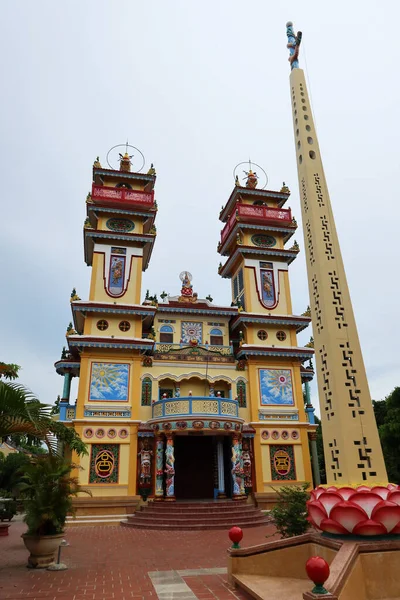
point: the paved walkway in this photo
(107, 563)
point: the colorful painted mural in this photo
(170, 468)
(104, 463)
(282, 463)
(267, 287)
(117, 271)
(276, 387)
(109, 381)
(159, 467)
(191, 331)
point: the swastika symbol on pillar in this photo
(337, 300)
(327, 238)
(335, 464)
(326, 383)
(310, 243)
(318, 189)
(351, 382)
(317, 307)
(304, 194)
(364, 456)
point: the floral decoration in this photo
(361, 510)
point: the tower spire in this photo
(353, 453)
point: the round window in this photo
(124, 326)
(102, 324)
(281, 335)
(262, 334)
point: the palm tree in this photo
(21, 413)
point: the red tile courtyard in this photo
(119, 563)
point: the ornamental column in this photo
(237, 468)
(64, 402)
(221, 471)
(170, 469)
(159, 495)
(67, 387)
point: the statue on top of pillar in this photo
(125, 162)
(251, 179)
(187, 294)
(293, 44)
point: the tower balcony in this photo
(122, 197)
(263, 215)
(196, 413)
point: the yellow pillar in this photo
(353, 453)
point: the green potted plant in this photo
(48, 488)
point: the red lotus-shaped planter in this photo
(358, 511)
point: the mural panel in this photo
(191, 331)
(276, 387)
(267, 287)
(104, 463)
(109, 381)
(117, 271)
(282, 463)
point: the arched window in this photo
(166, 334)
(241, 394)
(216, 337)
(260, 203)
(146, 391)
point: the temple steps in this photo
(196, 515)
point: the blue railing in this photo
(185, 406)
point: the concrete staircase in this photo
(196, 515)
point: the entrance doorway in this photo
(194, 467)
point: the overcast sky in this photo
(198, 87)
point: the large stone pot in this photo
(42, 549)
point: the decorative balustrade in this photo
(164, 348)
(122, 195)
(198, 406)
(260, 214)
(67, 412)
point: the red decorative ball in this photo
(235, 534)
(317, 570)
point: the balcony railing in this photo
(260, 214)
(164, 348)
(196, 406)
(122, 196)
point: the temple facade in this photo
(179, 398)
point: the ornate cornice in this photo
(289, 231)
(290, 352)
(299, 322)
(243, 250)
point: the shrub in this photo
(48, 489)
(289, 514)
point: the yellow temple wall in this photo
(251, 337)
(253, 303)
(247, 235)
(97, 285)
(134, 389)
(90, 326)
(101, 223)
(177, 335)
